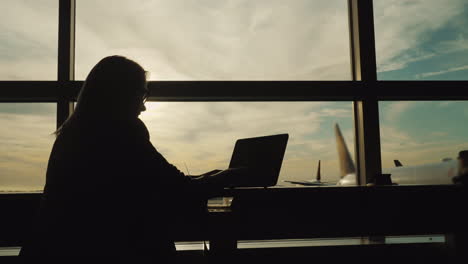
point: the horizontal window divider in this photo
(29, 91)
(29, 84)
(307, 90)
(253, 91)
(50, 91)
(247, 90)
(420, 90)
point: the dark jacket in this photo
(108, 192)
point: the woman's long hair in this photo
(113, 90)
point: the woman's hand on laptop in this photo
(211, 173)
(233, 176)
(212, 183)
(225, 178)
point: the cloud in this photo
(401, 26)
(336, 112)
(190, 39)
(28, 40)
(438, 134)
(452, 69)
(446, 103)
(223, 40)
(403, 60)
(26, 142)
(458, 44)
(185, 40)
(393, 110)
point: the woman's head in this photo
(116, 86)
(114, 89)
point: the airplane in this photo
(434, 173)
(398, 163)
(317, 182)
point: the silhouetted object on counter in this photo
(461, 237)
(462, 177)
(108, 191)
(383, 179)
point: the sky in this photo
(240, 40)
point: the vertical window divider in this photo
(66, 58)
(366, 111)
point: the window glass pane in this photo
(28, 39)
(425, 137)
(421, 39)
(218, 40)
(202, 134)
(25, 142)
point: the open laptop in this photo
(261, 155)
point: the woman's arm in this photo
(213, 184)
(206, 185)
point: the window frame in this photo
(364, 89)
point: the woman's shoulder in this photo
(99, 129)
(133, 127)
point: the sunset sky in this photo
(240, 40)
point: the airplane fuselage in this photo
(437, 173)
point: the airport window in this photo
(208, 134)
(26, 141)
(421, 40)
(421, 140)
(221, 40)
(266, 54)
(28, 40)
(251, 68)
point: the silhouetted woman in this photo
(108, 191)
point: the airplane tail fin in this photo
(397, 163)
(346, 162)
(318, 172)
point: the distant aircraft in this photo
(317, 181)
(435, 173)
(397, 163)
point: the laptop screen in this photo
(263, 156)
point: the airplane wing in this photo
(310, 183)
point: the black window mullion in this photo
(366, 111)
(252, 90)
(66, 57)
